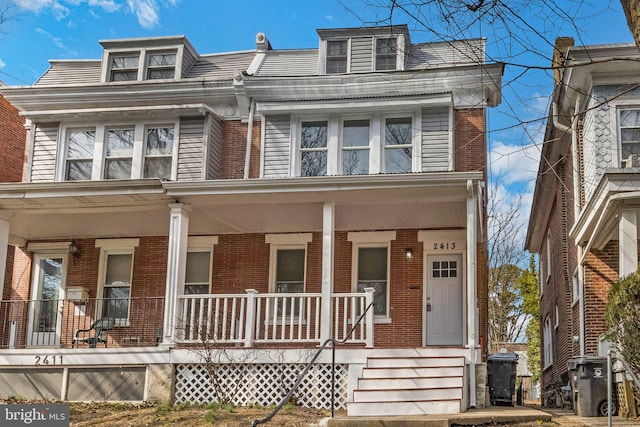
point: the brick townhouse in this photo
(255, 203)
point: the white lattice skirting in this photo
(262, 384)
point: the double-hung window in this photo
(355, 147)
(547, 342)
(161, 66)
(116, 273)
(630, 132)
(337, 55)
(398, 145)
(386, 54)
(79, 158)
(124, 67)
(198, 272)
(158, 152)
(313, 148)
(118, 158)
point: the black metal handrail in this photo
(306, 369)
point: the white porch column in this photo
(472, 205)
(176, 266)
(4, 243)
(628, 241)
(328, 243)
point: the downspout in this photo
(576, 209)
(471, 290)
(247, 155)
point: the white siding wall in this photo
(191, 149)
(361, 54)
(276, 146)
(72, 72)
(43, 164)
(435, 139)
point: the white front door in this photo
(444, 308)
(45, 306)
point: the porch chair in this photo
(97, 332)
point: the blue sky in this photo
(70, 29)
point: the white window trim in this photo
(100, 146)
(335, 126)
(616, 140)
(323, 55)
(548, 343)
(575, 286)
(548, 264)
(114, 247)
(374, 55)
(203, 244)
(372, 239)
(557, 316)
(143, 56)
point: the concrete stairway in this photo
(409, 386)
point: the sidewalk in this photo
(494, 415)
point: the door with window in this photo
(444, 304)
(47, 295)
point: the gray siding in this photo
(361, 54)
(71, 72)
(43, 163)
(191, 149)
(435, 139)
(214, 149)
(290, 63)
(110, 384)
(32, 384)
(276, 146)
(187, 61)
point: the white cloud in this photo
(514, 164)
(2, 63)
(34, 5)
(328, 17)
(56, 40)
(146, 11)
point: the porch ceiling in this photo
(113, 209)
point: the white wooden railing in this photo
(270, 318)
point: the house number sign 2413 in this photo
(443, 246)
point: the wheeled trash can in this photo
(502, 378)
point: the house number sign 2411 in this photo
(48, 360)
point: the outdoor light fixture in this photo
(74, 249)
(408, 254)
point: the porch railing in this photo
(269, 318)
(54, 322)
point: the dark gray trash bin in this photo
(502, 378)
(588, 378)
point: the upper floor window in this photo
(119, 153)
(161, 66)
(547, 338)
(313, 148)
(158, 152)
(79, 156)
(124, 68)
(337, 55)
(355, 147)
(127, 66)
(386, 54)
(398, 145)
(630, 132)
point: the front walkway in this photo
(567, 418)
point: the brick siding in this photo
(234, 147)
(12, 142)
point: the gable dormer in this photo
(363, 50)
(141, 59)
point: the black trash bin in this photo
(502, 378)
(588, 378)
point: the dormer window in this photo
(124, 68)
(156, 65)
(386, 53)
(337, 53)
(161, 66)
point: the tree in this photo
(631, 10)
(530, 289)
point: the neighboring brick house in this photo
(257, 202)
(585, 209)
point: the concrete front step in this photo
(425, 372)
(400, 395)
(409, 383)
(414, 362)
(382, 408)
